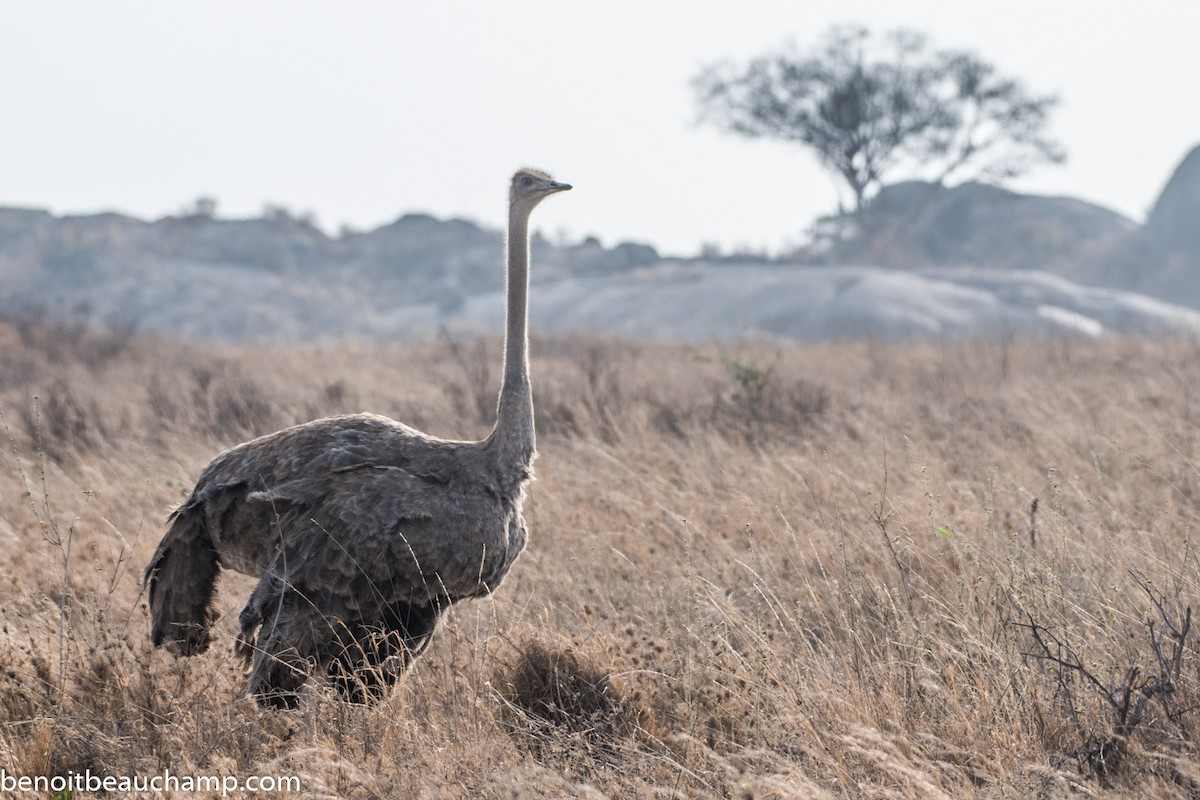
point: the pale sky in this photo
(361, 111)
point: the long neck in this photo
(514, 421)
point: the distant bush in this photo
(63, 425)
(72, 337)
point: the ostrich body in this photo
(361, 530)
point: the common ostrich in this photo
(361, 530)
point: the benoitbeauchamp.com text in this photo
(166, 782)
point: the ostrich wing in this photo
(363, 536)
(298, 467)
(313, 450)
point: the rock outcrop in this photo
(917, 224)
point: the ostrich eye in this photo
(526, 181)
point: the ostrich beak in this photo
(555, 186)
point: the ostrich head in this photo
(529, 186)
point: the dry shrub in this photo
(216, 397)
(18, 687)
(70, 337)
(474, 397)
(612, 394)
(757, 403)
(61, 424)
(230, 402)
(563, 706)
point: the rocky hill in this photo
(697, 300)
(271, 279)
(943, 261)
(917, 225)
(1162, 258)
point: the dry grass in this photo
(849, 570)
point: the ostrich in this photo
(361, 530)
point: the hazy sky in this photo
(361, 111)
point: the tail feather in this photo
(181, 580)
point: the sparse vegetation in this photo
(930, 571)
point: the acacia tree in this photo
(867, 109)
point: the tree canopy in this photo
(868, 108)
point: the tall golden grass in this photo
(840, 570)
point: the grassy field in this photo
(842, 570)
